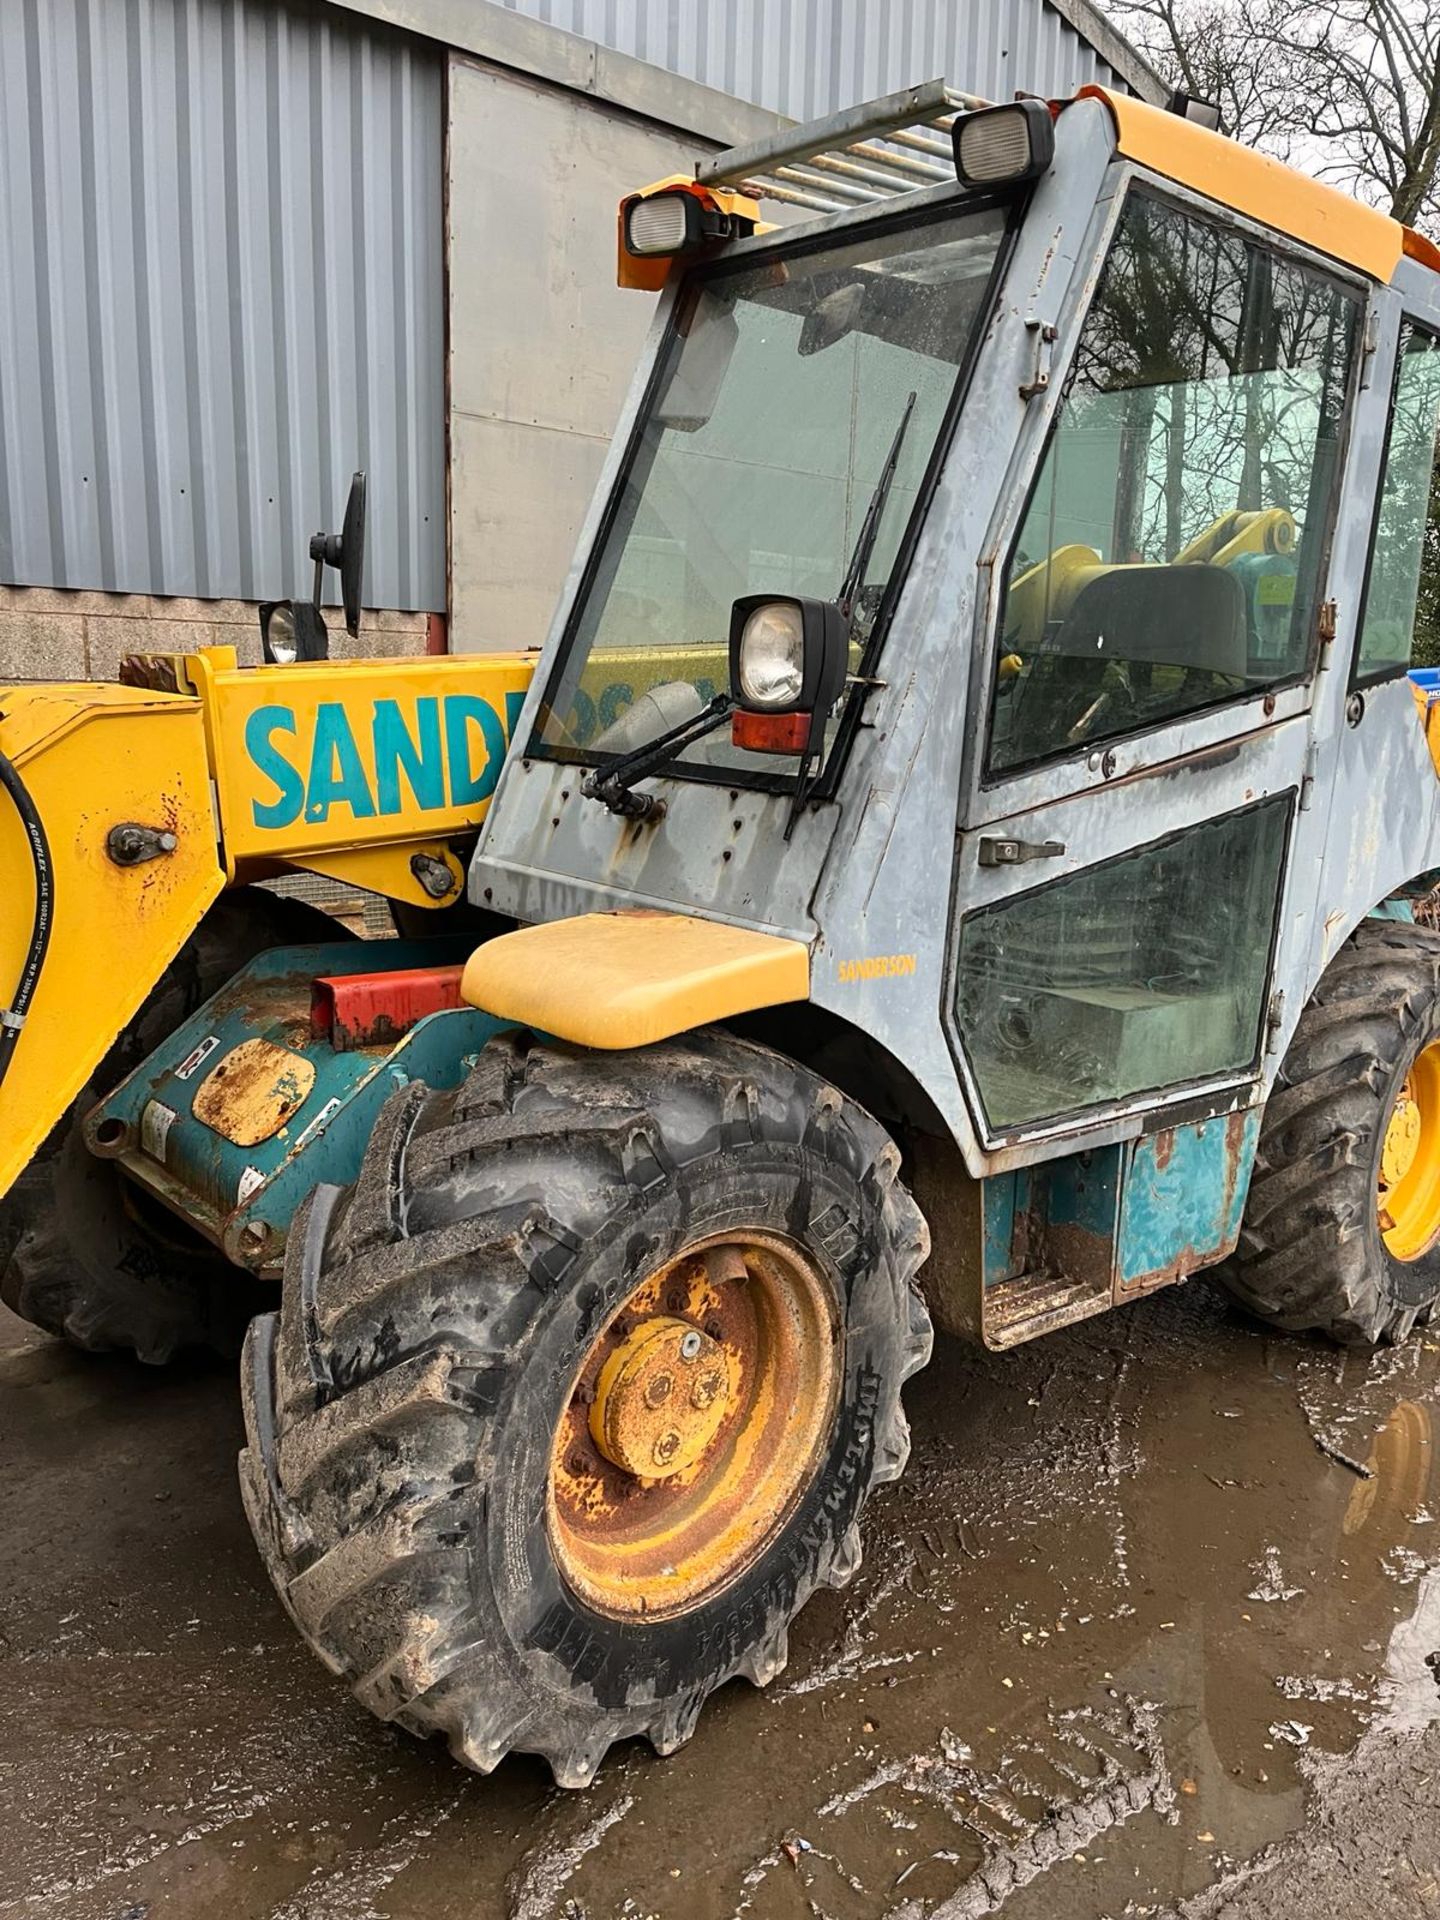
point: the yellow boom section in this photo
(378, 772)
(93, 759)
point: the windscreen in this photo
(782, 393)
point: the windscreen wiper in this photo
(874, 514)
(613, 784)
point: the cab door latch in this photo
(1010, 853)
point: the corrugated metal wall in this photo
(221, 288)
(808, 57)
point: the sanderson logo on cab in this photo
(877, 968)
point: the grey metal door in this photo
(1145, 765)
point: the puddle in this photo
(1140, 1579)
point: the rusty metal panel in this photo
(221, 290)
(1185, 1191)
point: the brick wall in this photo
(49, 634)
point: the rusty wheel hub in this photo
(661, 1398)
(698, 1417)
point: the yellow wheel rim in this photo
(698, 1418)
(1409, 1196)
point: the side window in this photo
(1170, 555)
(1402, 600)
(1142, 973)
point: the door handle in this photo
(1010, 853)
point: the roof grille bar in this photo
(852, 169)
(907, 137)
(904, 163)
(821, 183)
(793, 196)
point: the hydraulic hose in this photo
(12, 1018)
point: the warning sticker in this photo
(249, 1180)
(198, 1057)
(155, 1124)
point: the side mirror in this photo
(345, 551)
(292, 630)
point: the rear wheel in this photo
(86, 1255)
(577, 1394)
(1342, 1223)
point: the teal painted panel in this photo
(999, 1198)
(220, 1185)
(1083, 1190)
(1184, 1196)
(1079, 1191)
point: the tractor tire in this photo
(427, 1416)
(1317, 1247)
(86, 1256)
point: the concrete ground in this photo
(1134, 1637)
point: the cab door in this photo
(1138, 796)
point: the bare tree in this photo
(1346, 89)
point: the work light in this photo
(1189, 106)
(788, 658)
(770, 662)
(292, 630)
(998, 146)
(665, 223)
(277, 635)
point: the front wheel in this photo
(1342, 1222)
(576, 1396)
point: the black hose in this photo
(12, 1018)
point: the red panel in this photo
(770, 732)
(353, 1010)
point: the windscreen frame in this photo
(916, 213)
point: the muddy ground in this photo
(1133, 1637)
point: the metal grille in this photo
(221, 289)
(872, 152)
(365, 914)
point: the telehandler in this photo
(974, 777)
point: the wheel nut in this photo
(666, 1448)
(690, 1344)
(659, 1390)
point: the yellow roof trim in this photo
(1253, 184)
(613, 980)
